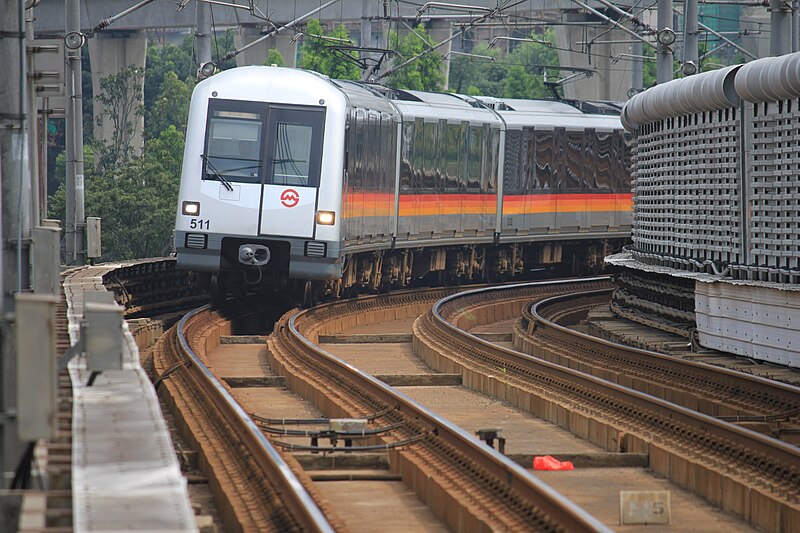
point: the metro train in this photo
(342, 185)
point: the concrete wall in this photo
(258, 53)
(612, 80)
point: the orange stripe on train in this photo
(379, 204)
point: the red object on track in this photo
(548, 462)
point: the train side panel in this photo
(448, 172)
(565, 176)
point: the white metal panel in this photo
(288, 211)
(36, 372)
(758, 322)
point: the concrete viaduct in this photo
(124, 42)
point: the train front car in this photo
(260, 193)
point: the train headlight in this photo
(326, 218)
(191, 208)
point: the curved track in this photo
(754, 476)
(468, 485)
(716, 391)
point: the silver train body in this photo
(289, 172)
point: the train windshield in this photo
(292, 154)
(295, 145)
(234, 147)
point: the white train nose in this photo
(254, 254)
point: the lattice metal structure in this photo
(716, 172)
(774, 190)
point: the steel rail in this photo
(299, 503)
(550, 503)
(781, 394)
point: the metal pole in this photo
(33, 128)
(614, 23)
(69, 147)
(76, 249)
(637, 73)
(796, 26)
(780, 29)
(15, 221)
(664, 52)
(80, 215)
(690, 36)
(203, 32)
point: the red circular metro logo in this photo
(290, 198)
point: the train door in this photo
(294, 156)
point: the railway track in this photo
(762, 404)
(466, 484)
(753, 476)
(255, 488)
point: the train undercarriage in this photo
(372, 272)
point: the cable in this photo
(257, 281)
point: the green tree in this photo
(136, 200)
(274, 57)
(519, 84)
(482, 75)
(121, 99)
(425, 72)
(162, 60)
(517, 75)
(463, 71)
(531, 56)
(320, 56)
(181, 61)
(171, 108)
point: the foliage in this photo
(424, 73)
(517, 75)
(87, 90)
(136, 201)
(168, 60)
(171, 108)
(483, 75)
(318, 55)
(274, 57)
(162, 60)
(121, 99)
(519, 84)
